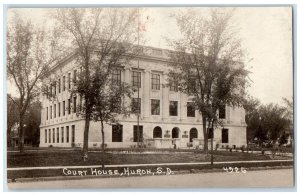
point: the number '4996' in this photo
(234, 170)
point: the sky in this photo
(266, 34)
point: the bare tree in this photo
(208, 64)
(101, 38)
(28, 59)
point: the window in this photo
(136, 79)
(137, 133)
(117, 133)
(75, 76)
(57, 133)
(116, 76)
(62, 135)
(49, 135)
(155, 81)
(50, 112)
(50, 90)
(64, 83)
(53, 130)
(157, 132)
(210, 133)
(190, 109)
(74, 104)
(173, 87)
(45, 135)
(222, 112)
(80, 103)
(116, 105)
(191, 85)
(47, 112)
(175, 132)
(59, 109)
(68, 134)
(224, 135)
(155, 110)
(54, 107)
(69, 80)
(59, 85)
(73, 133)
(69, 106)
(47, 92)
(64, 108)
(136, 105)
(54, 86)
(173, 108)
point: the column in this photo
(227, 113)
(182, 106)
(165, 97)
(127, 80)
(43, 117)
(146, 94)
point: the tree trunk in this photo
(205, 147)
(9, 143)
(211, 144)
(103, 147)
(87, 109)
(86, 138)
(21, 135)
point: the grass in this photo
(56, 157)
(191, 168)
(73, 157)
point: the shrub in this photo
(189, 144)
(243, 148)
(105, 145)
(217, 146)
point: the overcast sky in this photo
(266, 35)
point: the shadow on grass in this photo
(57, 157)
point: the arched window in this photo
(175, 132)
(193, 134)
(157, 132)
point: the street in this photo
(282, 178)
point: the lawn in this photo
(56, 157)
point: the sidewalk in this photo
(185, 168)
(144, 165)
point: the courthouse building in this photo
(167, 116)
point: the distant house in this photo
(167, 116)
(14, 139)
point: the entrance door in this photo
(175, 132)
(193, 134)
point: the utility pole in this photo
(139, 82)
(211, 144)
